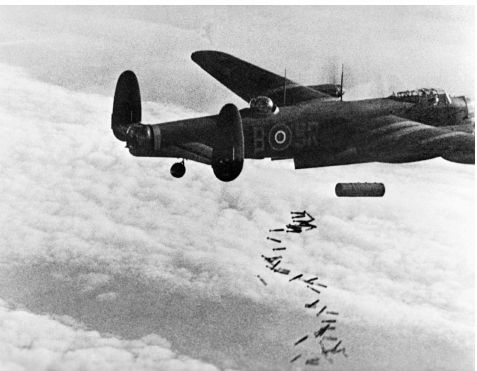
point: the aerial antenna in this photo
(341, 87)
(285, 88)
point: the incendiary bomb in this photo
(360, 189)
(301, 221)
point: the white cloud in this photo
(107, 296)
(92, 281)
(113, 242)
(38, 342)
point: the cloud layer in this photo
(114, 260)
(115, 243)
(38, 342)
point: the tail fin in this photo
(127, 104)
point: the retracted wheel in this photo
(178, 170)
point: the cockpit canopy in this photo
(433, 96)
(263, 105)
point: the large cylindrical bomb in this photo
(359, 189)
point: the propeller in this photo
(334, 76)
(332, 69)
(341, 84)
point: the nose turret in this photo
(470, 107)
(465, 106)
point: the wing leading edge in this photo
(249, 81)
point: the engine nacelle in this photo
(228, 149)
(333, 90)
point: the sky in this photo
(107, 262)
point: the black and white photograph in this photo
(237, 187)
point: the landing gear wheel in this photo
(178, 169)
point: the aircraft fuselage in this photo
(309, 129)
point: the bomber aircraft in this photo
(311, 125)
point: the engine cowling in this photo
(228, 146)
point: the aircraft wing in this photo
(392, 139)
(249, 81)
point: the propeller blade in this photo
(341, 86)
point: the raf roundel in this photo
(279, 137)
